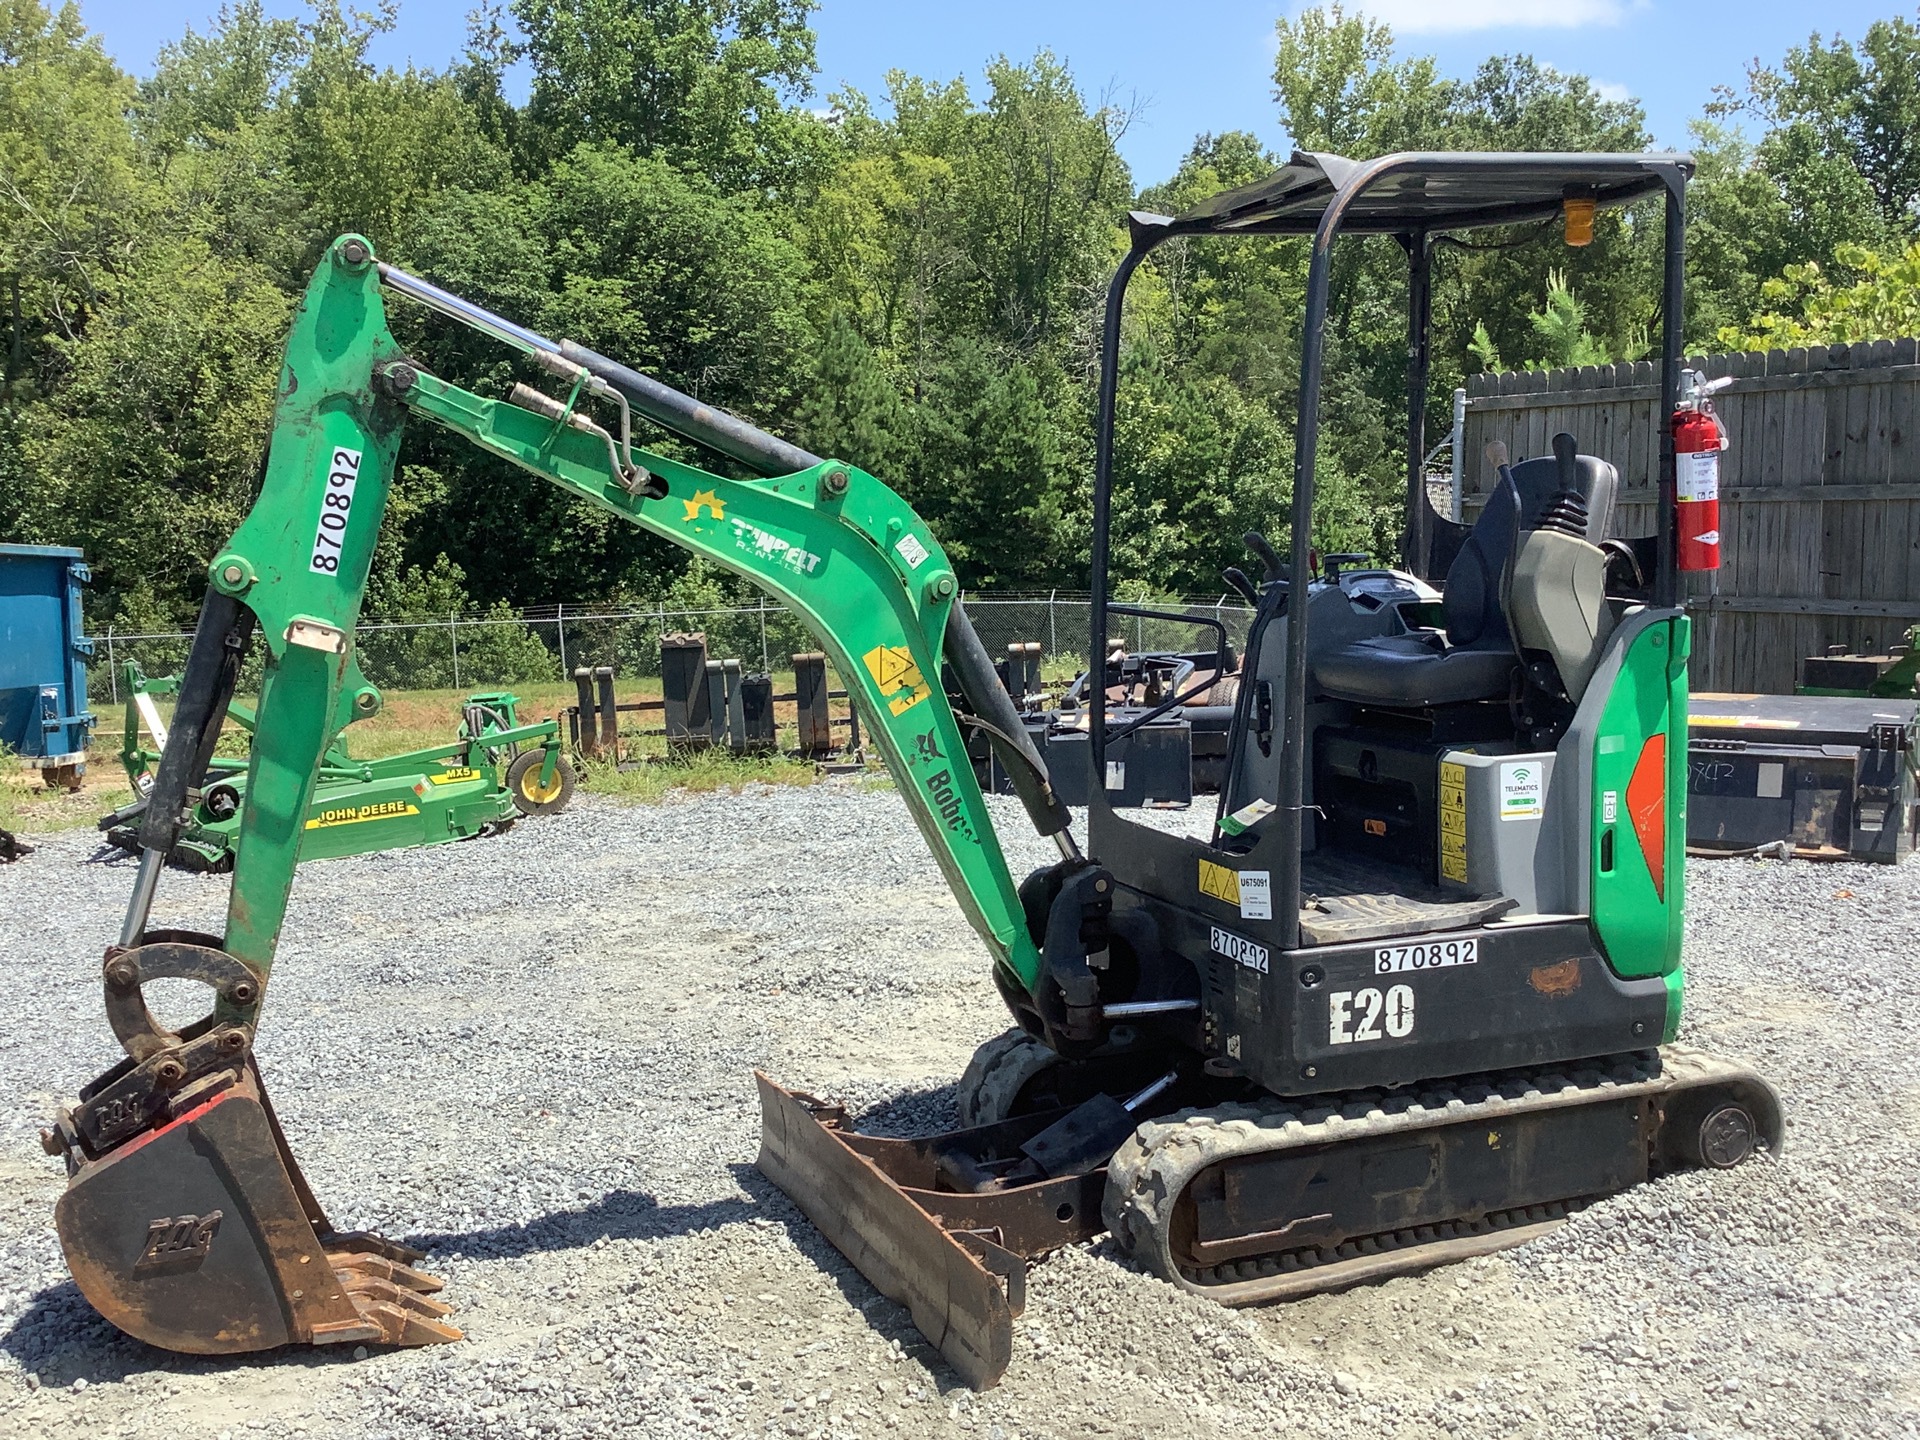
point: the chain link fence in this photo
(545, 643)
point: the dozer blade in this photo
(955, 1258)
(200, 1235)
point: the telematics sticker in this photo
(335, 506)
(1522, 791)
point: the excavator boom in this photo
(186, 1220)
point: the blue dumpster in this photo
(43, 660)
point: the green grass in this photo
(700, 772)
(28, 808)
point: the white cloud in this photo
(1612, 90)
(1433, 17)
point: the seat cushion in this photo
(1414, 671)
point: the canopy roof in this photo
(1432, 191)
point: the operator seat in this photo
(1474, 656)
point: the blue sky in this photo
(1198, 66)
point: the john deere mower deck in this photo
(492, 773)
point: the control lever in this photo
(1269, 558)
(1241, 585)
(1566, 451)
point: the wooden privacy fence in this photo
(1819, 491)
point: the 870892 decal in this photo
(336, 507)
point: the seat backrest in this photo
(1538, 481)
(1471, 596)
(1557, 604)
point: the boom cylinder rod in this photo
(731, 436)
(473, 316)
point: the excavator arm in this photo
(242, 1257)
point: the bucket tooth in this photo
(401, 1316)
(378, 1267)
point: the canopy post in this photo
(1148, 231)
(1417, 542)
(1666, 588)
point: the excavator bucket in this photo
(199, 1234)
(928, 1221)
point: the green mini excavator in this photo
(1413, 997)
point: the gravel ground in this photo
(530, 1057)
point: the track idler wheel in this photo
(186, 1221)
(1715, 1131)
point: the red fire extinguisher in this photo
(1698, 439)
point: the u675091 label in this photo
(336, 505)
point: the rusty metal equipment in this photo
(715, 704)
(909, 1211)
(198, 1157)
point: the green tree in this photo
(1560, 334)
(145, 454)
(369, 147)
(1806, 306)
(990, 470)
(709, 85)
(851, 410)
(72, 201)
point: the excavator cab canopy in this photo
(1419, 198)
(1433, 192)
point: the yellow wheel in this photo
(530, 797)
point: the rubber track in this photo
(996, 1074)
(1153, 1168)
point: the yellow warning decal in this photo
(1453, 821)
(358, 814)
(1220, 882)
(708, 501)
(454, 777)
(894, 669)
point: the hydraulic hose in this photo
(1019, 757)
